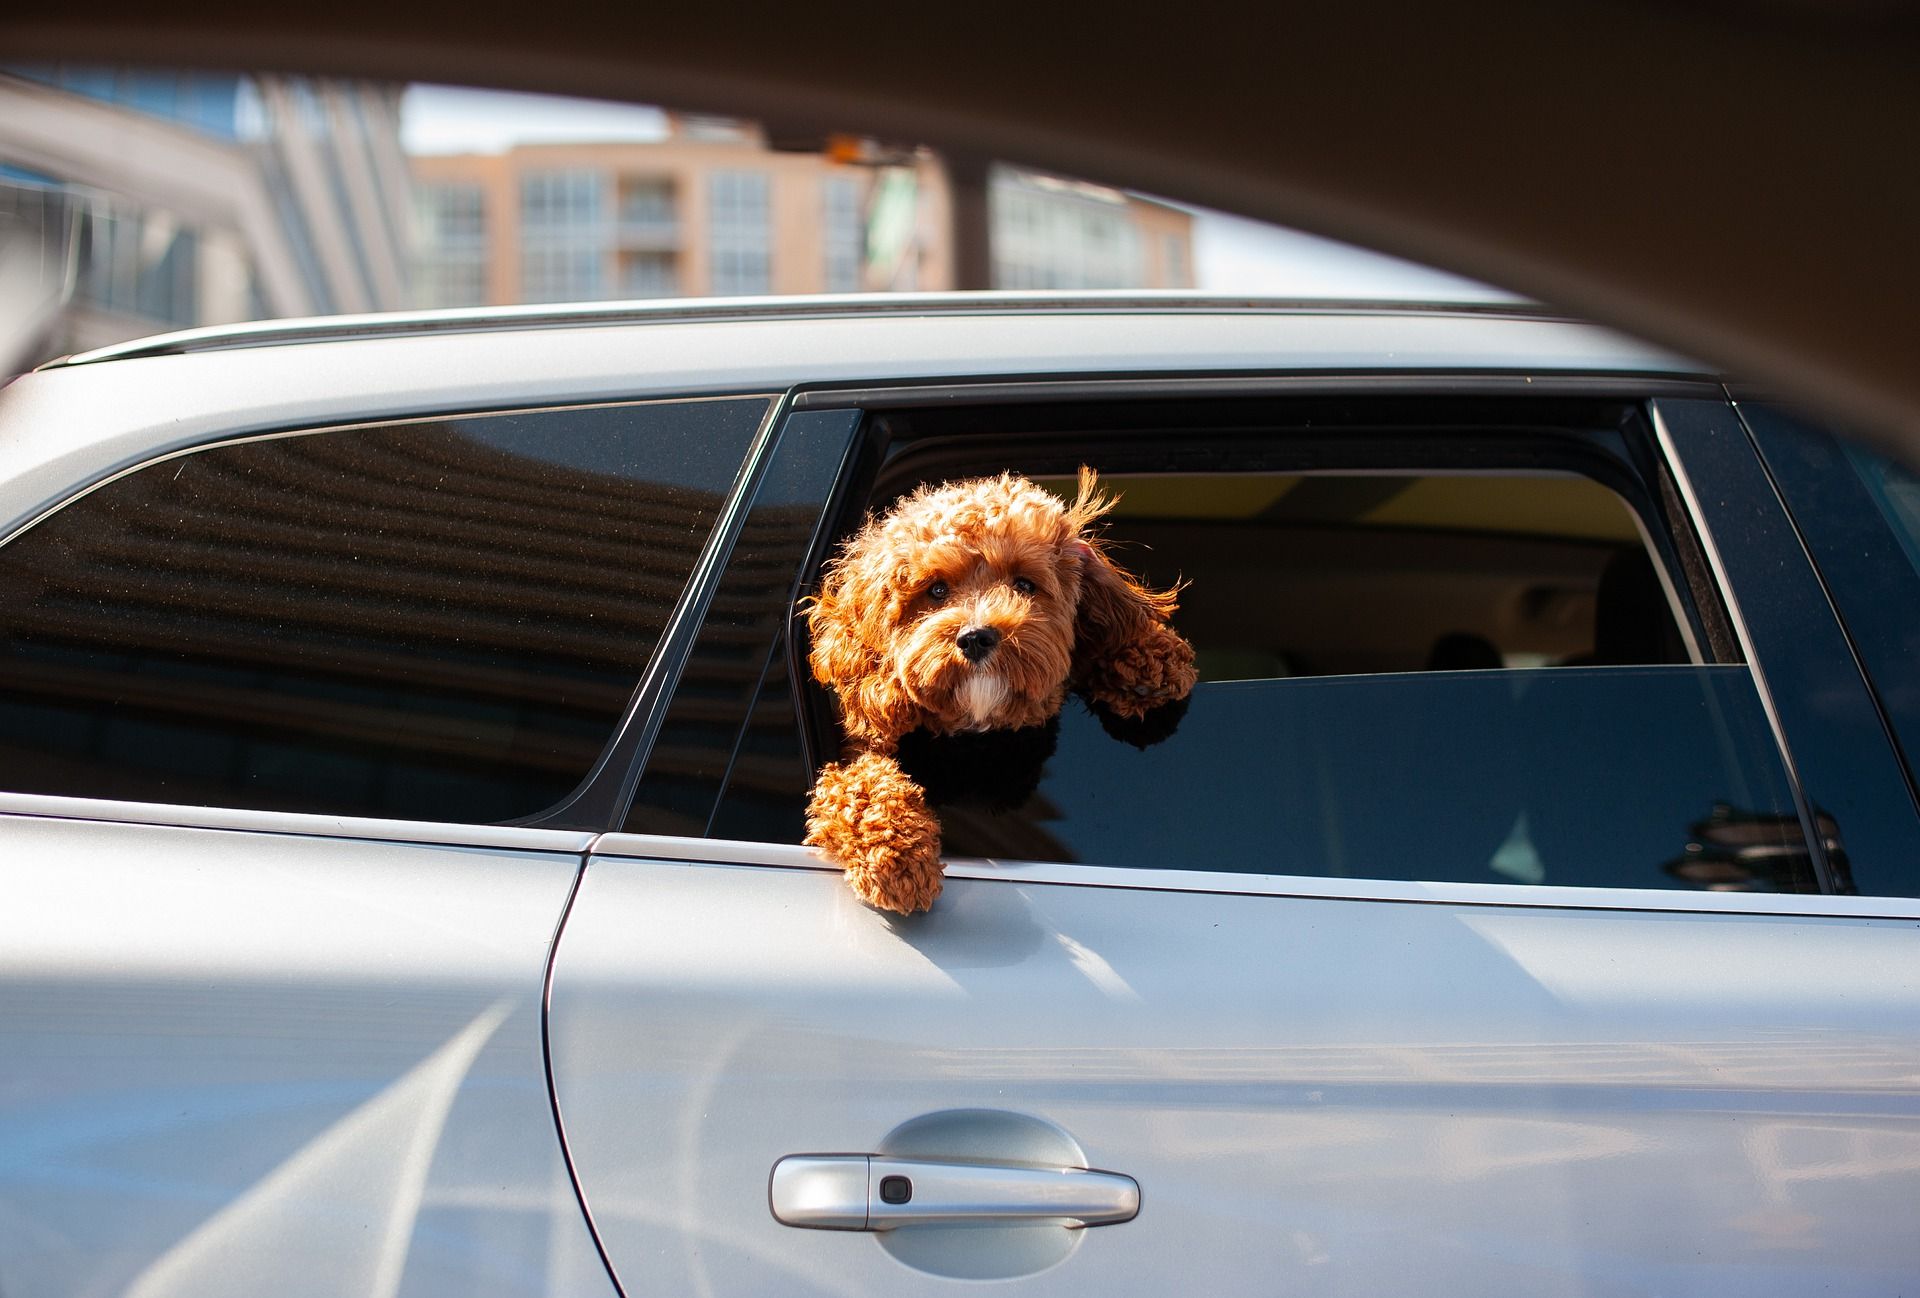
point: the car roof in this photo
(79, 420)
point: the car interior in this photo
(1345, 574)
(1351, 541)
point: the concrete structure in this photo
(211, 198)
(710, 210)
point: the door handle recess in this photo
(874, 1192)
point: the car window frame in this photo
(1687, 556)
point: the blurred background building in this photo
(194, 198)
(711, 210)
(134, 201)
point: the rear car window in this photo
(440, 619)
(1427, 675)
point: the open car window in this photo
(1406, 672)
(1291, 574)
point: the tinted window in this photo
(765, 798)
(1859, 514)
(434, 620)
(1896, 490)
(1658, 777)
(700, 741)
(1854, 514)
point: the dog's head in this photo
(970, 606)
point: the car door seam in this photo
(553, 1089)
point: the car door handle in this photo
(874, 1192)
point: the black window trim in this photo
(1016, 389)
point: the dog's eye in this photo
(938, 592)
(1024, 586)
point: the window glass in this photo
(563, 225)
(740, 232)
(450, 245)
(711, 734)
(1857, 515)
(438, 620)
(1626, 777)
(1468, 677)
(1896, 491)
(765, 798)
(844, 237)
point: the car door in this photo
(272, 1008)
(1524, 979)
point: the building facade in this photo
(710, 210)
(210, 198)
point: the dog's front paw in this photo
(872, 820)
(1144, 674)
(1154, 726)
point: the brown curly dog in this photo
(974, 605)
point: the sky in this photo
(1231, 254)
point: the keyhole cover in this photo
(982, 1251)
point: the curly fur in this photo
(995, 553)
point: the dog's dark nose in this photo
(976, 642)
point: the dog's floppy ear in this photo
(846, 622)
(1125, 656)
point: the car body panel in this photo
(245, 1062)
(1316, 1095)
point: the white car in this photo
(405, 732)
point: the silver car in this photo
(405, 734)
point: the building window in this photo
(450, 245)
(649, 274)
(845, 234)
(561, 275)
(450, 217)
(1050, 234)
(740, 233)
(564, 237)
(553, 202)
